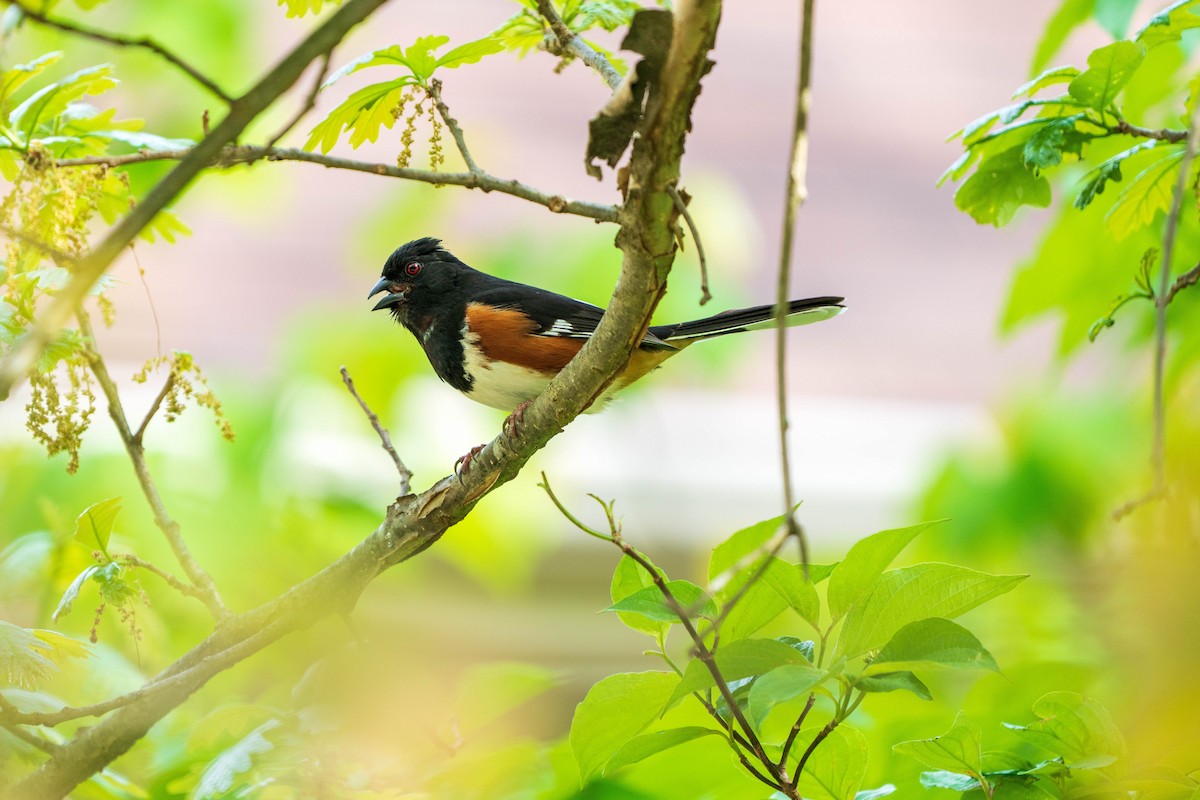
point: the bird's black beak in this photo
(393, 298)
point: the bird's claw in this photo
(464, 461)
(514, 421)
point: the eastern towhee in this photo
(500, 342)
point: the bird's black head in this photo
(419, 278)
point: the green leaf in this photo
(363, 113)
(779, 686)
(300, 8)
(1069, 16)
(1168, 24)
(944, 779)
(801, 595)
(1109, 69)
(470, 53)
(931, 644)
(891, 682)
(165, 225)
(628, 578)
(1000, 185)
(24, 658)
(50, 101)
(836, 767)
(614, 711)
(1050, 77)
(419, 55)
(13, 79)
(875, 794)
(140, 140)
(1094, 183)
(642, 747)
(1148, 194)
(915, 593)
(746, 658)
(956, 750)
(392, 56)
(858, 572)
(1021, 790)
(224, 723)
(61, 646)
(738, 548)
(1114, 16)
(651, 603)
(1076, 728)
(758, 605)
(219, 775)
(95, 524)
(1046, 147)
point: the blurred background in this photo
(910, 406)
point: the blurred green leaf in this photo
(999, 186)
(1109, 69)
(836, 768)
(1077, 728)
(1057, 137)
(866, 560)
(94, 526)
(11, 80)
(24, 658)
(931, 644)
(1070, 15)
(915, 593)
(52, 100)
(781, 685)
(222, 772)
(956, 750)
(489, 691)
(1049, 77)
(642, 747)
(891, 682)
(72, 593)
(300, 8)
(470, 53)
(1147, 195)
(614, 711)
(227, 722)
(757, 606)
(875, 794)
(740, 546)
(629, 578)
(1097, 179)
(650, 603)
(363, 113)
(1168, 24)
(745, 658)
(944, 779)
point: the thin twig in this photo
(435, 91)
(569, 42)
(486, 182)
(735, 740)
(131, 560)
(1162, 134)
(32, 739)
(797, 193)
(137, 455)
(118, 40)
(794, 732)
(310, 100)
(820, 737)
(162, 395)
(384, 437)
(681, 206)
(1185, 280)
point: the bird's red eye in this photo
(412, 268)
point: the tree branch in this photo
(133, 446)
(245, 154)
(415, 522)
(162, 395)
(435, 91)
(131, 560)
(1162, 134)
(22, 356)
(569, 42)
(118, 40)
(797, 193)
(1185, 280)
(310, 100)
(384, 436)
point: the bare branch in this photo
(129, 559)
(794, 732)
(384, 436)
(1185, 280)
(435, 91)
(245, 154)
(162, 395)
(569, 42)
(682, 208)
(22, 356)
(797, 193)
(207, 590)
(118, 40)
(1162, 134)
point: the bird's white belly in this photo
(497, 383)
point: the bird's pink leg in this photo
(513, 422)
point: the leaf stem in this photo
(570, 42)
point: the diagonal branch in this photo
(246, 154)
(570, 42)
(415, 522)
(435, 91)
(118, 40)
(384, 436)
(21, 358)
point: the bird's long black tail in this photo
(800, 312)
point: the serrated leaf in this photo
(779, 686)
(891, 682)
(391, 55)
(363, 113)
(614, 711)
(1050, 77)
(420, 58)
(1076, 728)
(1169, 24)
(1094, 183)
(94, 526)
(864, 563)
(72, 593)
(650, 603)
(745, 658)
(628, 578)
(300, 8)
(642, 747)
(999, 186)
(1109, 69)
(23, 658)
(1148, 194)
(50, 101)
(836, 768)
(915, 593)
(470, 53)
(219, 775)
(14, 78)
(1060, 136)
(956, 750)
(61, 646)
(166, 226)
(933, 643)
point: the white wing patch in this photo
(566, 330)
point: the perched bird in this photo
(500, 342)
